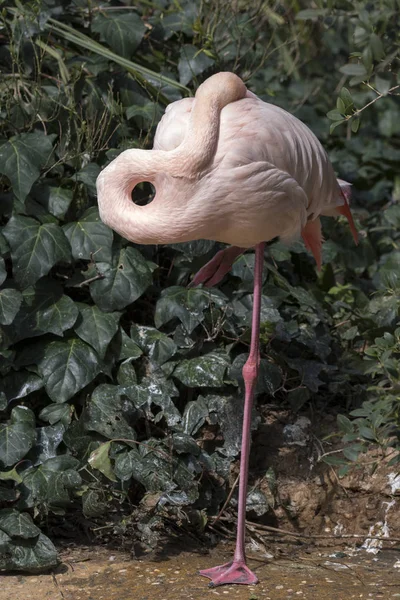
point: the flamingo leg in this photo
(237, 571)
(216, 268)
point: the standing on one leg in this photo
(237, 571)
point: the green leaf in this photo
(347, 98)
(376, 45)
(35, 248)
(18, 524)
(21, 159)
(16, 437)
(100, 460)
(354, 69)
(55, 199)
(110, 414)
(192, 62)
(367, 433)
(67, 367)
(10, 301)
(194, 416)
(122, 31)
(124, 281)
(18, 384)
(34, 555)
(45, 310)
(55, 413)
(157, 345)
(186, 304)
(344, 424)
(335, 124)
(355, 124)
(334, 460)
(96, 327)
(155, 390)
(88, 176)
(382, 85)
(3, 272)
(334, 115)
(89, 237)
(340, 105)
(203, 371)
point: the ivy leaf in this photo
(45, 310)
(100, 460)
(110, 414)
(55, 199)
(17, 436)
(21, 159)
(186, 304)
(122, 31)
(157, 345)
(18, 524)
(35, 555)
(124, 281)
(66, 367)
(96, 327)
(18, 384)
(55, 413)
(90, 237)
(35, 248)
(10, 301)
(203, 371)
(194, 415)
(192, 62)
(158, 391)
(3, 272)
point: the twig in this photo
(378, 97)
(217, 518)
(89, 281)
(320, 536)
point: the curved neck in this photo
(165, 219)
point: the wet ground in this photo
(322, 574)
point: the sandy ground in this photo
(96, 574)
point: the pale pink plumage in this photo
(257, 173)
(228, 167)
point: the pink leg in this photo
(213, 271)
(237, 571)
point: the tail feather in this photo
(344, 210)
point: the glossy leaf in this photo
(10, 301)
(124, 281)
(203, 371)
(192, 63)
(122, 31)
(96, 327)
(16, 437)
(21, 159)
(45, 309)
(66, 367)
(90, 239)
(35, 248)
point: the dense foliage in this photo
(120, 386)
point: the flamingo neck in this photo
(168, 217)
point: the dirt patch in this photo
(310, 498)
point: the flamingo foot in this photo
(234, 572)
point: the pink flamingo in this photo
(227, 167)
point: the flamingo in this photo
(227, 167)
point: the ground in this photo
(92, 573)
